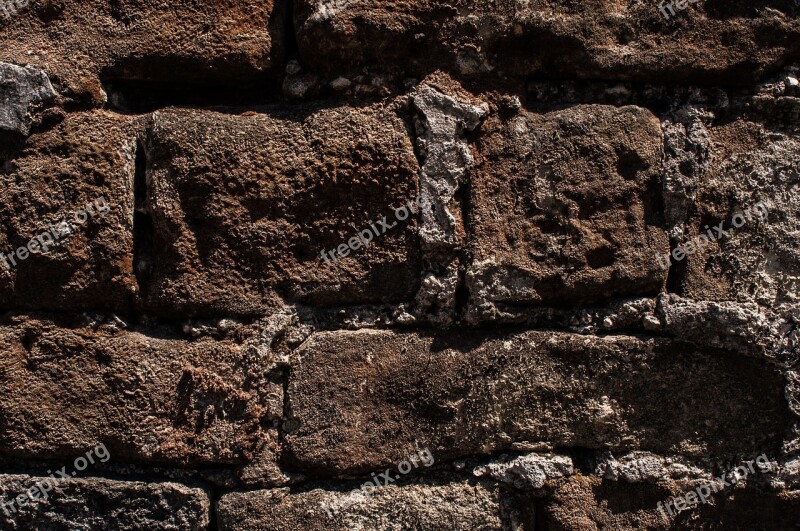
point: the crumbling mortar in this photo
(440, 124)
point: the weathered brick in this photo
(87, 159)
(584, 503)
(758, 261)
(564, 208)
(85, 43)
(148, 399)
(243, 206)
(362, 400)
(711, 42)
(562, 150)
(423, 505)
(96, 503)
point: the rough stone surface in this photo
(441, 123)
(242, 207)
(462, 394)
(686, 147)
(86, 45)
(21, 89)
(745, 328)
(85, 161)
(530, 471)
(711, 42)
(148, 399)
(87, 504)
(564, 208)
(759, 261)
(591, 503)
(329, 237)
(424, 505)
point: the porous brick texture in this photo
(399, 265)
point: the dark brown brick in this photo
(148, 399)
(751, 164)
(86, 160)
(243, 206)
(710, 42)
(423, 505)
(99, 503)
(362, 400)
(564, 208)
(84, 44)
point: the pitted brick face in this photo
(399, 264)
(240, 222)
(565, 207)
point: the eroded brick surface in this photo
(426, 505)
(464, 394)
(80, 173)
(753, 173)
(85, 44)
(100, 504)
(710, 42)
(239, 223)
(148, 399)
(591, 503)
(565, 208)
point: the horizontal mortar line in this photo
(680, 85)
(740, 91)
(438, 469)
(489, 328)
(532, 106)
(147, 477)
(267, 109)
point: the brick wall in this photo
(399, 264)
